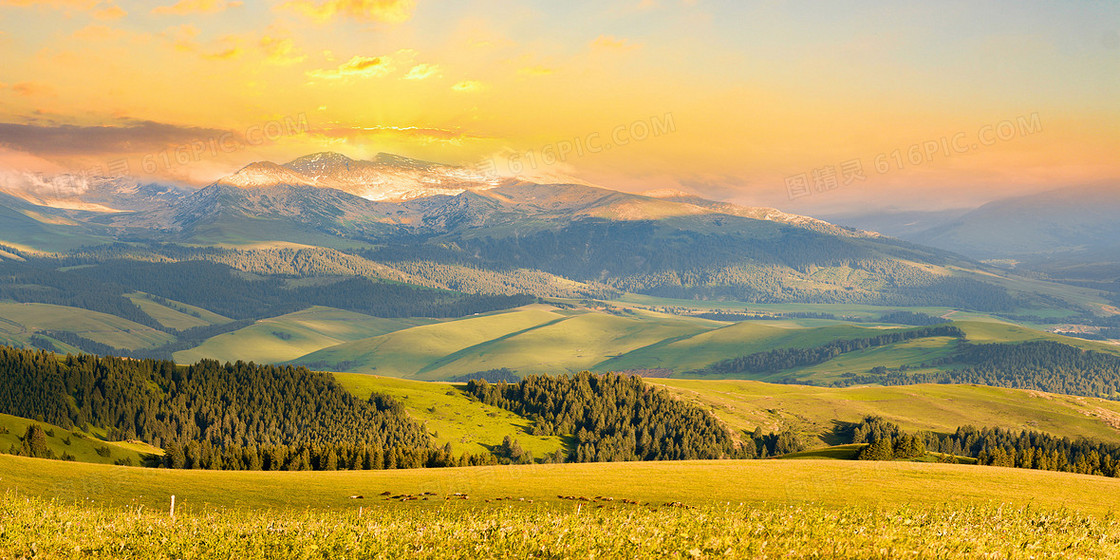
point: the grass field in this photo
(812, 411)
(694, 483)
(44, 529)
(451, 416)
(404, 353)
(177, 316)
(19, 320)
(283, 338)
(83, 446)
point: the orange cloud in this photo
(414, 134)
(183, 7)
(32, 89)
(366, 66)
(281, 51)
(610, 42)
(383, 11)
(79, 4)
(110, 12)
(98, 32)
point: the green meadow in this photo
(83, 446)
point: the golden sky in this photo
(808, 106)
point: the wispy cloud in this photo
(383, 11)
(281, 50)
(612, 43)
(357, 67)
(534, 71)
(422, 71)
(183, 7)
(127, 137)
(33, 89)
(417, 134)
(467, 86)
(110, 12)
(71, 4)
(366, 66)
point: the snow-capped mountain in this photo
(386, 177)
(70, 191)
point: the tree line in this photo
(613, 418)
(779, 359)
(1040, 365)
(1024, 449)
(214, 415)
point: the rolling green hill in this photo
(548, 339)
(19, 320)
(83, 446)
(812, 411)
(451, 415)
(282, 338)
(176, 315)
(404, 353)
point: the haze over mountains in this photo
(1071, 233)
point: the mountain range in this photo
(455, 227)
(1070, 234)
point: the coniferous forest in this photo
(613, 418)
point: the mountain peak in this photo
(264, 174)
(667, 193)
(318, 165)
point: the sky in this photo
(815, 107)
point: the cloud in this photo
(183, 38)
(467, 86)
(56, 4)
(98, 32)
(420, 134)
(183, 7)
(45, 186)
(110, 12)
(33, 89)
(381, 11)
(228, 53)
(281, 50)
(422, 71)
(358, 67)
(612, 43)
(76, 140)
(366, 66)
(534, 71)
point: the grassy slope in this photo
(404, 353)
(174, 317)
(19, 320)
(743, 405)
(736, 339)
(82, 445)
(451, 416)
(693, 482)
(290, 336)
(573, 344)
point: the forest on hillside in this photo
(1041, 365)
(238, 416)
(1024, 449)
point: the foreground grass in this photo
(695, 483)
(46, 529)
